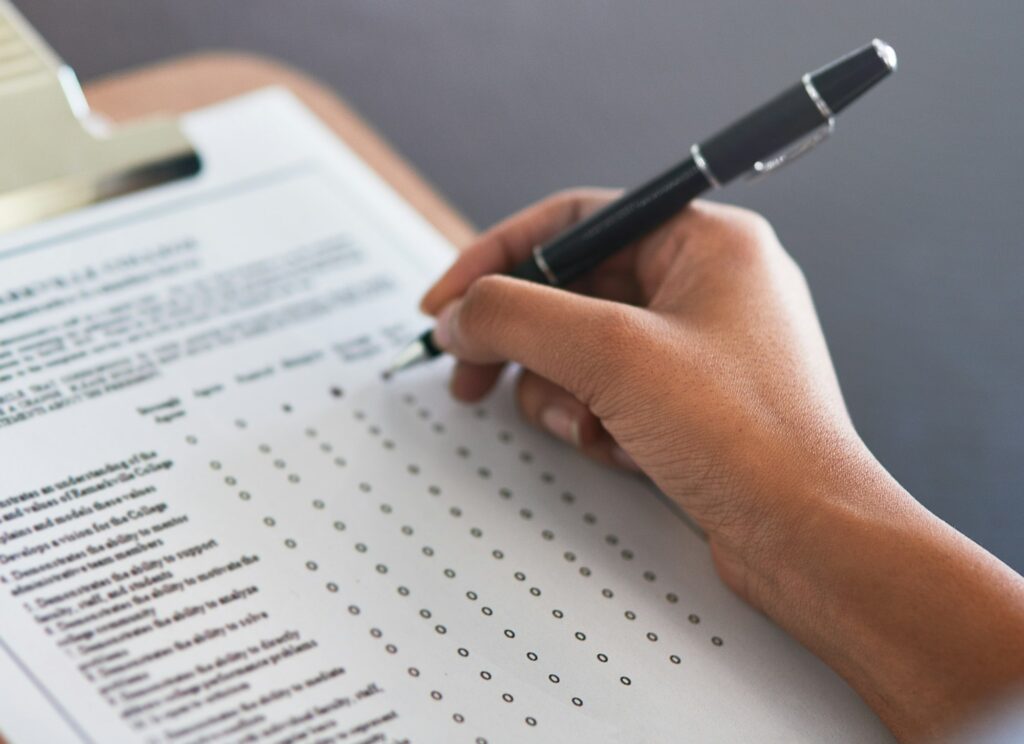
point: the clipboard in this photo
(120, 134)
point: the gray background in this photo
(907, 224)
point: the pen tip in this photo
(412, 354)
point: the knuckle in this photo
(742, 235)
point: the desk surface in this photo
(907, 224)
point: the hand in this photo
(695, 356)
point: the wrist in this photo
(858, 572)
(813, 509)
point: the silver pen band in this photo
(542, 264)
(815, 96)
(702, 166)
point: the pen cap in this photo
(845, 80)
(796, 112)
(761, 133)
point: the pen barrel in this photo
(581, 248)
(762, 133)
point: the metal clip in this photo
(801, 147)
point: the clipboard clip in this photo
(55, 155)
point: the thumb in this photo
(565, 337)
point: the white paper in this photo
(217, 523)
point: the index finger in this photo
(510, 241)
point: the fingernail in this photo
(622, 458)
(562, 424)
(443, 331)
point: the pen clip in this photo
(801, 147)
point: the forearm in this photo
(922, 622)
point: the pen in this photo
(779, 131)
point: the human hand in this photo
(694, 355)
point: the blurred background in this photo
(908, 223)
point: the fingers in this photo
(567, 338)
(553, 409)
(471, 382)
(510, 241)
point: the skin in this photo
(696, 356)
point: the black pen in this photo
(786, 127)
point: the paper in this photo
(218, 524)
